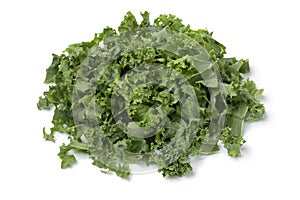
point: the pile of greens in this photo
(153, 93)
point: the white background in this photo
(266, 32)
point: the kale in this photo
(154, 93)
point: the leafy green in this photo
(152, 93)
(49, 137)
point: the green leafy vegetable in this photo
(149, 93)
(49, 137)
